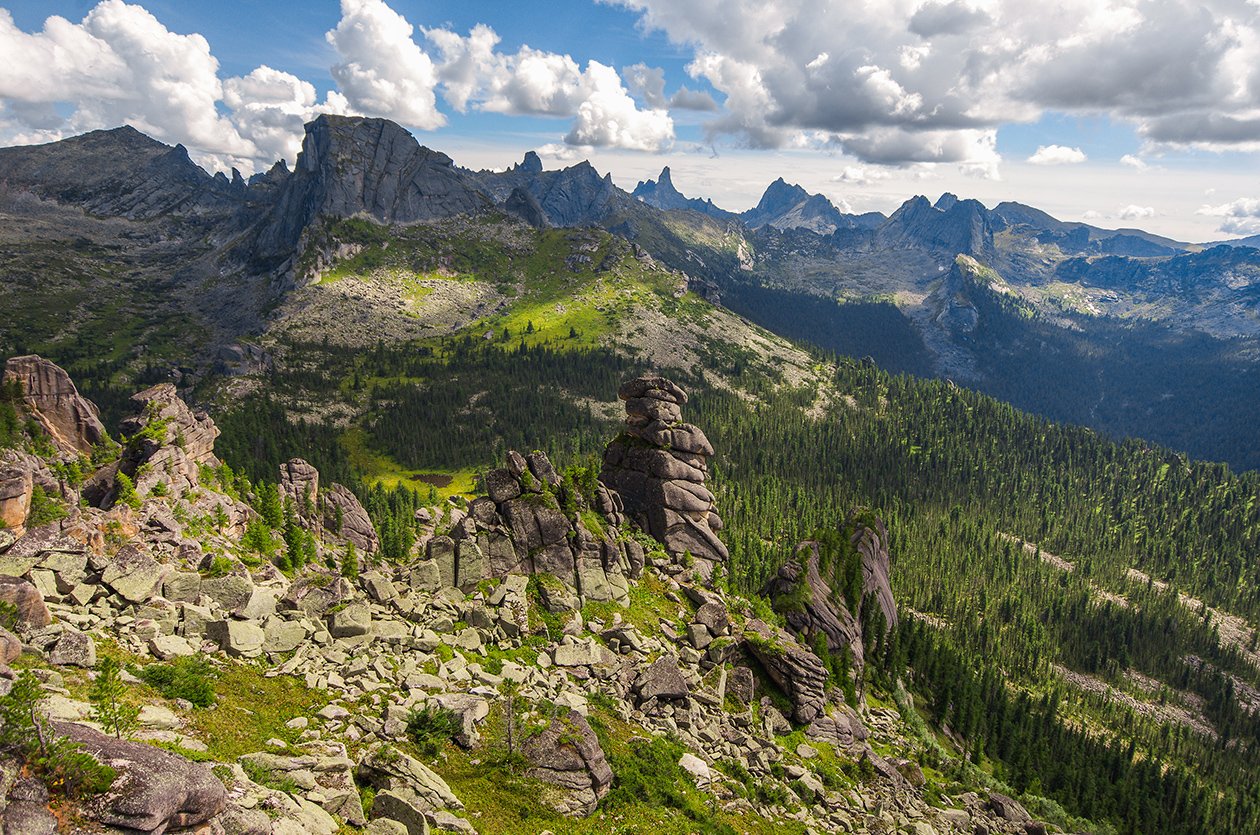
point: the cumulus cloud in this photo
(688, 99)
(1239, 217)
(382, 71)
(1134, 162)
(1182, 73)
(539, 83)
(1133, 212)
(1057, 155)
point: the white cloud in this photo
(1133, 212)
(1239, 217)
(648, 83)
(382, 71)
(609, 118)
(118, 65)
(1057, 155)
(1134, 162)
(1091, 214)
(1182, 73)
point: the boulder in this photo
(315, 594)
(49, 395)
(231, 591)
(26, 812)
(10, 646)
(385, 768)
(22, 594)
(132, 574)
(237, 637)
(795, 670)
(1008, 809)
(662, 680)
(73, 649)
(567, 754)
(389, 805)
(153, 791)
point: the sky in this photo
(1140, 113)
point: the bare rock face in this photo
(797, 671)
(16, 485)
(154, 790)
(29, 602)
(299, 484)
(345, 517)
(657, 468)
(870, 540)
(71, 420)
(521, 529)
(567, 754)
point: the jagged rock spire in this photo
(658, 467)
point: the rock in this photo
(378, 586)
(656, 470)
(314, 594)
(154, 790)
(384, 767)
(567, 754)
(26, 812)
(72, 421)
(282, 635)
(1008, 808)
(232, 591)
(698, 769)
(582, 654)
(345, 518)
(353, 620)
(182, 587)
(385, 826)
(502, 486)
(165, 647)
(299, 485)
(132, 574)
(796, 670)
(10, 646)
(237, 637)
(31, 611)
(396, 807)
(662, 680)
(16, 487)
(73, 649)
(741, 685)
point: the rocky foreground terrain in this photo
(554, 634)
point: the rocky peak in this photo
(662, 194)
(951, 227)
(50, 396)
(657, 467)
(353, 165)
(119, 172)
(531, 164)
(788, 206)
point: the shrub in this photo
(126, 491)
(44, 508)
(63, 766)
(430, 728)
(189, 678)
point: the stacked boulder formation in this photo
(522, 527)
(655, 472)
(335, 514)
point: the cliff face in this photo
(952, 226)
(350, 166)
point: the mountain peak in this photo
(531, 164)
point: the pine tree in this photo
(109, 707)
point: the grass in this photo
(379, 468)
(252, 709)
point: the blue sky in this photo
(1120, 112)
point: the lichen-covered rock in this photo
(567, 754)
(49, 395)
(153, 791)
(299, 485)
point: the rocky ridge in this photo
(520, 603)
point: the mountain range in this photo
(1040, 299)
